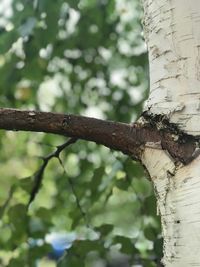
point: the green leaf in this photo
(72, 261)
(76, 216)
(7, 39)
(104, 229)
(96, 180)
(18, 221)
(74, 4)
(150, 233)
(37, 252)
(26, 184)
(150, 205)
(16, 262)
(85, 246)
(95, 183)
(149, 263)
(18, 213)
(158, 248)
(126, 243)
(122, 184)
(133, 169)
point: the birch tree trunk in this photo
(172, 32)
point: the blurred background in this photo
(97, 208)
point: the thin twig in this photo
(38, 177)
(83, 213)
(7, 201)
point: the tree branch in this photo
(129, 139)
(115, 135)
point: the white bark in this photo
(178, 200)
(172, 32)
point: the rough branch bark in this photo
(129, 139)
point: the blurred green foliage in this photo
(83, 57)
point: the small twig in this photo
(38, 177)
(7, 201)
(83, 213)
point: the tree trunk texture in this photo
(172, 32)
